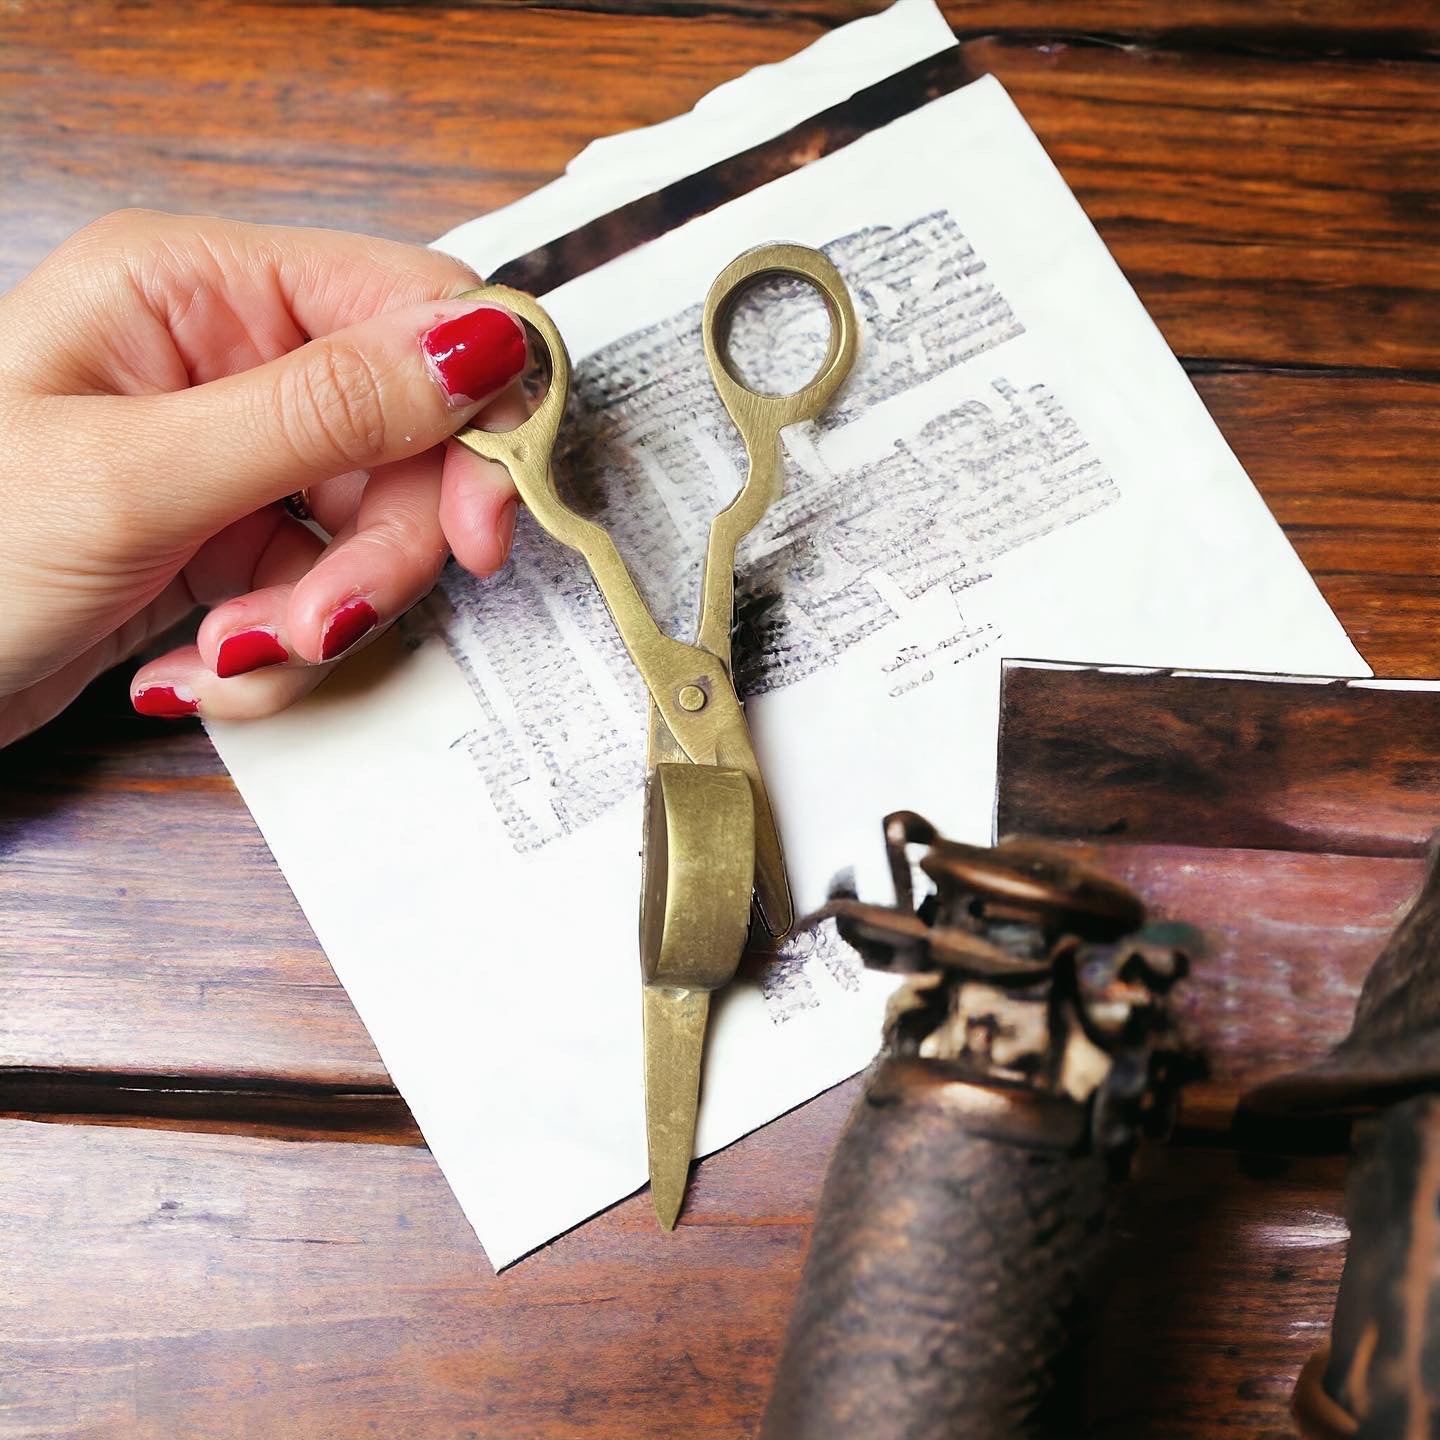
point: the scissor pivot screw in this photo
(691, 697)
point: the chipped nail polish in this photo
(248, 650)
(475, 354)
(168, 702)
(346, 627)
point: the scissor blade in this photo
(674, 1043)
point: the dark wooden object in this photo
(1379, 1089)
(1265, 172)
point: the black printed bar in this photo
(610, 235)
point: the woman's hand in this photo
(164, 383)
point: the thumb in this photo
(387, 388)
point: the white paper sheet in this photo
(1018, 466)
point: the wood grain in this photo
(1278, 223)
(1330, 768)
(1350, 467)
(1393, 27)
(197, 1285)
(393, 121)
(150, 934)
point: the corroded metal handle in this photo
(1379, 1378)
(946, 1291)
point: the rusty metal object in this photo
(1375, 1380)
(951, 1272)
(1379, 1379)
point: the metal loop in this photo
(757, 416)
(525, 451)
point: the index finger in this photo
(179, 300)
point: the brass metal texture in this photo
(712, 848)
(699, 865)
(674, 1043)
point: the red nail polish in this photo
(475, 355)
(248, 650)
(166, 701)
(347, 626)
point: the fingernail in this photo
(475, 354)
(505, 527)
(248, 650)
(346, 627)
(169, 702)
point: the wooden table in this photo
(216, 1217)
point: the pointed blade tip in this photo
(668, 1200)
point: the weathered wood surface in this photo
(1224, 1286)
(1327, 768)
(1289, 937)
(1290, 822)
(1349, 465)
(162, 1285)
(1391, 28)
(1266, 173)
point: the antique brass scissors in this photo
(710, 844)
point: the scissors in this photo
(711, 849)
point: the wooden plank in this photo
(1266, 212)
(1372, 508)
(1206, 762)
(1391, 27)
(1296, 227)
(1223, 1287)
(1395, 617)
(1347, 464)
(180, 1284)
(395, 121)
(222, 1286)
(149, 933)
